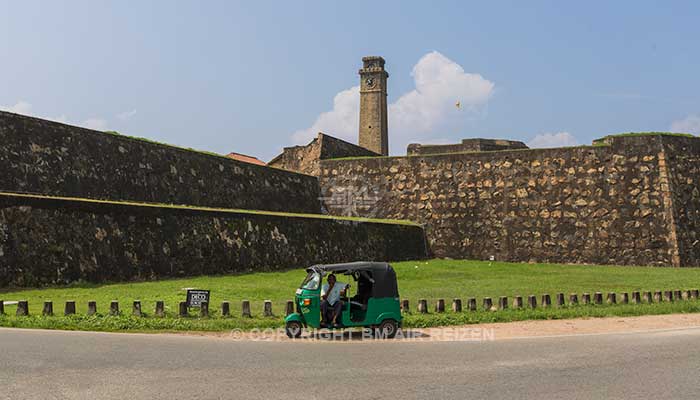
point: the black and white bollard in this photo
(114, 308)
(422, 306)
(488, 304)
(70, 308)
(440, 306)
(532, 301)
(204, 309)
(471, 304)
(518, 302)
(546, 301)
(560, 300)
(226, 309)
(573, 299)
(456, 305)
(289, 308)
(160, 309)
(22, 308)
(245, 309)
(586, 299)
(182, 309)
(612, 298)
(267, 308)
(92, 307)
(598, 298)
(48, 309)
(503, 303)
(136, 309)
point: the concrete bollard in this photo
(518, 302)
(136, 309)
(70, 308)
(546, 301)
(225, 309)
(440, 306)
(422, 306)
(204, 309)
(686, 295)
(658, 297)
(573, 299)
(647, 297)
(92, 307)
(560, 300)
(48, 309)
(2, 307)
(160, 309)
(677, 295)
(456, 305)
(114, 308)
(289, 308)
(488, 304)
(182, 310)
(586, 298)
(624, 298)
(694, 294)
(405, 306)
(245, 309)
(532, 301)
(503, 303)
(668, 295)
(471, 304)
(22, 308)
(267, 308)
(612, 298)
(636, 298)
(598, 298)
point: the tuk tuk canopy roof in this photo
(383, 275)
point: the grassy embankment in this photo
(431, 280)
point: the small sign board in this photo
(195, 297)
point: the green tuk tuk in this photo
(375, 304)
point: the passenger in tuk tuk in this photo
(331, 304)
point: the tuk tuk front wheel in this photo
(387, 329)
(293, 329)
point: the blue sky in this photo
(253, 77)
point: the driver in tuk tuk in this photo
(331, 305)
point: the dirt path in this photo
(488, 332)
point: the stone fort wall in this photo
(45, 240)
(631, 202)
(44, 157)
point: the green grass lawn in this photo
(431, 280)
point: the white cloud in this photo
(560, 139)
(21, 107)
(690, 124)
(126, 115)
(97, 124)
(25, 108)
(341, 122)
(440, 83)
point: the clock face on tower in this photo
(369, 82)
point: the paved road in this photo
(65, 365)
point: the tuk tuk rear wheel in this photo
(293, 329)
(387, 329)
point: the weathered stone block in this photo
(70, 308)
(245, 309)
(48, 309)
(456, 305)
(267, 308)
(160, 309)
(422, 306)
(92, 307)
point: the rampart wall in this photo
(631, 202)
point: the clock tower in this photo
(374, 131)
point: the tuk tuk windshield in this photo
(312, 280)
